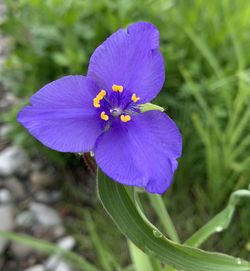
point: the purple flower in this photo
(101, 112)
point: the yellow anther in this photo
(97, 105)
(134, 98)
(125, 118)
(117, 88)
(101, 94)
(98, 98)
(96, 102)
(104, 116)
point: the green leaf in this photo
(220, 222)
(102, 253)
(124, 213)
(140, 259)
(48, 248)
(201, 45)
(164, 217)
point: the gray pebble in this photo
(15, 187)
(45, 215)
(25, 219)
(13, 160)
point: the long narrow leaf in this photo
(220, 222)
(102, 252)
(204, 50)
(123, 212)
(48, 248)
(162, 213)
(140, 259)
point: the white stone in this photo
(45, 215)
(48, 197)
(54, 263)
(5, 196)
(13, 160)
(67, 243)
(62, 266)
(4, 130)
(38, 267)
(25, 219)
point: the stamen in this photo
(104, 116)
(96, 102)
(98, 98)
(125, 118)
(117, 88)
(134, 98)
(101, 94)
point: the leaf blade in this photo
(123, 212)
(220, 222)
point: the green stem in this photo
(164, 217)
(102, 254)
(141, 261)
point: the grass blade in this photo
(205, 51)
(220, 222)
(165, 219)
(50, 249)
(140, 259)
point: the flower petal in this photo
(141, 152)
(130, 59)
(61, 115)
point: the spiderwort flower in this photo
(101, 112)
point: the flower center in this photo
(119, 103)
(116, 111)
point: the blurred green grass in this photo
(207, 91)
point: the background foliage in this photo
(206, 50)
